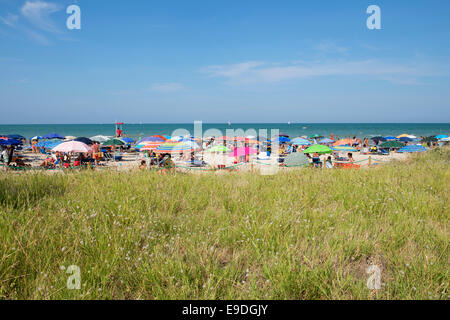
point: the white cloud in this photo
(251, 72)
(10, 20)
(167, 87)
(38, 13)
(328, 46)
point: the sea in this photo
(139, 130)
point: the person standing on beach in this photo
(95, 152)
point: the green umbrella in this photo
(318, 148)
(218, 149)
(392, 144)
(296, 159)
(113, 142)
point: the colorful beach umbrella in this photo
(318, 148)
(72, 146)
(85, 140)
(149, 146)
(177, 147)
(326, 141)
(343, 142)
(152, 139)
(345, 148)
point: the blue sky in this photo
(244, 61)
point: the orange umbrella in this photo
(343, 142)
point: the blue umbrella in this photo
(441, 136)
(300, 142)
(282, 139)
(10, 142)
(390, 138)
(53, 136)
(49, 144)
(406, 139)
(413, 148)
(127, 140)
(19, 137)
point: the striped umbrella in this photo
(148, 146)
(344, 148)
(177, 147)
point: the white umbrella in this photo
(72, 146)
(100, 138)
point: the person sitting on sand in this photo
(49, 163)
(316, 160)
(328, 163)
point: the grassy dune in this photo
(303, 234)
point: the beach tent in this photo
(242, 151)
(113, 142)
(344, 148)
(100, 138)
(296, 159)
(343, 142)
(300, 142)
(218, 149)
(53, 136)
(10, 142)
(84, 140)
(72, 146)
(413, 148)
(318, 148)
(391, 145)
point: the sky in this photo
(224, 60)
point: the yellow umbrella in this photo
(402, 135)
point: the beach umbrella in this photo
(390, 138)
(218, 149)
(100, 138)
(326, 141)
(68, 138)
(296, 159)
(412, 148)
(318, 148)
(16, 136)
(391, 144)
(440, 137)
(282, 139)
(343, 142)
(36, 138)
(406, 139)
(177, 147)
(127, 140)
(84, 140)
(53, 136)
(10, 142)
(113, 142)
(283, 134)
(72, 146)
(344, 148)
(315, 136)
(152, 139)
(242, 151)
(48, 144)
(445, 139)
(148, 145)
(402, 135)
(300, 142)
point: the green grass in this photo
(303, 234)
